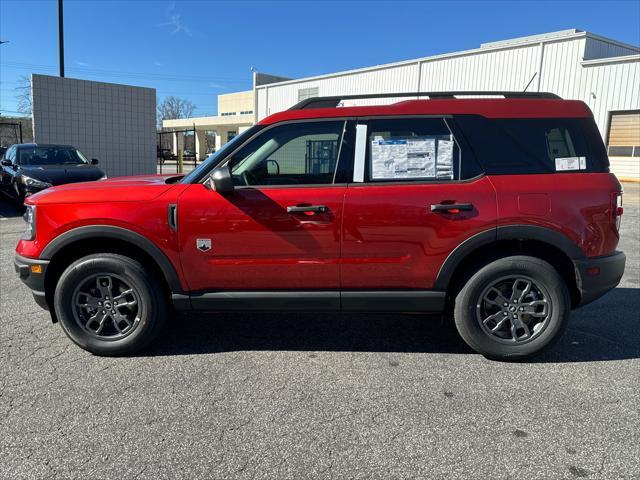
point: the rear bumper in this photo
(596, 276)
(33, 277)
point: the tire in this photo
(126, 328)
(479, 308)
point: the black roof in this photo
(333, 101)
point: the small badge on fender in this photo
(203, 244)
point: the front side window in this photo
(304, 153)
(50, 156)
(411, 149)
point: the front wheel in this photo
(109, 305)
(513, 308)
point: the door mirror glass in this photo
(6, 162)
(94, 161)
(222, 180)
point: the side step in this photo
(314, 301)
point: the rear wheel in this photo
(109, 305)
(513, 308)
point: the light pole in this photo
(61, 37)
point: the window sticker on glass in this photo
(401, 158)
(571, 163)
(444, 164)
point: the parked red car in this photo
(499, 211)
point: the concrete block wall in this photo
(111, 122)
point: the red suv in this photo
(500, 212)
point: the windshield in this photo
(213, 159)
(50, 156)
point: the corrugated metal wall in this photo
(273, 99)
(508, 69)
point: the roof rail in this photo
(334, 101)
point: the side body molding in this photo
(118, 233)
(504, 232)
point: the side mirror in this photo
(222, 180)
(94, 161)
(6, 163)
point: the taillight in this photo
(616, 209)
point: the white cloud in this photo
(158, 64)
(82, 64)
(174, 21)
(218, 86)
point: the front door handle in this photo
(307, 209)
(452, 207)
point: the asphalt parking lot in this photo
(320, 396)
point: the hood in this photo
(120, 189)
(61, 174)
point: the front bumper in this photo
(32, 272)
(596, 276)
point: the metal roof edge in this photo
(620, 59)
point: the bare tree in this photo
(174, 107)
(23, 94)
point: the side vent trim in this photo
(173, 217)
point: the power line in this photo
(120, 73)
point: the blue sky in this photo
(199, 49)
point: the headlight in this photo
(30, 219)
(32, 182)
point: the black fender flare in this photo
(505, 232)
(118, 233)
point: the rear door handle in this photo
(307, 209)
(452, 207)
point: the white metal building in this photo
(574, 64)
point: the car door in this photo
(280, 228)
(7, 172)
(417, 195)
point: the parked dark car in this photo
(165, 154)
(28, 168)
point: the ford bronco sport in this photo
(500, 212)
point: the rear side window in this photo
(540, 145)
(414, 149)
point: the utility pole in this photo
(61, 37)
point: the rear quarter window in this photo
(535, 145)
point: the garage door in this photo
(624, 145)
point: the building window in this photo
(246, 112)
(624, 134)
(227, 114)
(305, 93)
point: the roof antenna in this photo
(534, 76)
